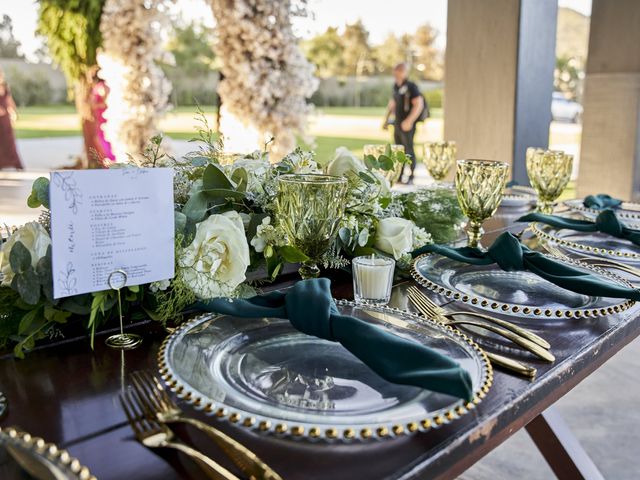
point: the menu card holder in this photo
(123, 341)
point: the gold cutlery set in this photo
(518, 335)
(150, 410)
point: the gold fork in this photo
(157, 403)
(496, 359)
(523, 332)
(532, 347)
(153, 434)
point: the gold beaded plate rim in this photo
(48, 451)
(632, 213)
(538, 229)
(505, 308)
(265, 424)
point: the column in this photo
(499, 65)
(610, 150)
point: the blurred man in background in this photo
(408, 107)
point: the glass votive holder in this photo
(372, 279)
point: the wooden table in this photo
(68, 394)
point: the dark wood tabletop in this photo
(67, 394)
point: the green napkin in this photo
(606, 222)
(601, 201)
(511, 255)
(310, 308)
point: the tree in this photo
(568, 77)
(72, 30)
(391, 52)
(325, 51)
(426, 56)
(356, 50)
(192, 49)
(9, 46)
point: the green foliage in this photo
(72, 29)
(9, 46)
(434, 209)
(325, 51)
(39, 193)
(569, 77)
(192, 49)
(30, 87)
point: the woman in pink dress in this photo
(8, 152)
(99, 93)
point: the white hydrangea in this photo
(259, 242)
(138, 89)
(267, 79)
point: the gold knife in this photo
(511, 364)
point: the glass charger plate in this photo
(25, 456)
(628, 212)
(517, 200)
(521, 292)
(265, 375)
(595, 243)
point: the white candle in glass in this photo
(372, 279)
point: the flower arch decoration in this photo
(138, 89)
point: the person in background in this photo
(407, 105)
(8, 152)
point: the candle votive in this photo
(372, 279)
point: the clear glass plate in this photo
(521, 292)
(592, 243)
(25, 456)
(628, 213)
(264, 374)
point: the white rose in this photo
(344, 161)
(34, 237)
(216, 261)
(394, 236)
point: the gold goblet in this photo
(480, 186)
(379, 149)
(549, 173)
(309, 209)
(439, 158)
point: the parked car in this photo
(565, 109)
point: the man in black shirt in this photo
(406, 104)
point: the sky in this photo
(379, 17)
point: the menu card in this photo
(103, 221)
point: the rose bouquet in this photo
(227, 239)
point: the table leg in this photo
(560, 448)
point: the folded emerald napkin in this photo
(310, 308)
(601, 201)
(606, 222)
(511, 255)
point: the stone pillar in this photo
(499, 66)
(610, 150)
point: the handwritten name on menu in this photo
(108, 220)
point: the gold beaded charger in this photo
(23, 455)
(264, 375)
(516, 293)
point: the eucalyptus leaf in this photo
(27, 286)
(345, 235)
(371, 162)
(367, 177)
(27, 320)
(214, 178)
(222, 194)
(363, 237)
(19, 258)
(240, 178)
(78, 304)
(198, 160)
(196, 207)
(385, 162)
(39, 193)
(180, 221)
(292, 254)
